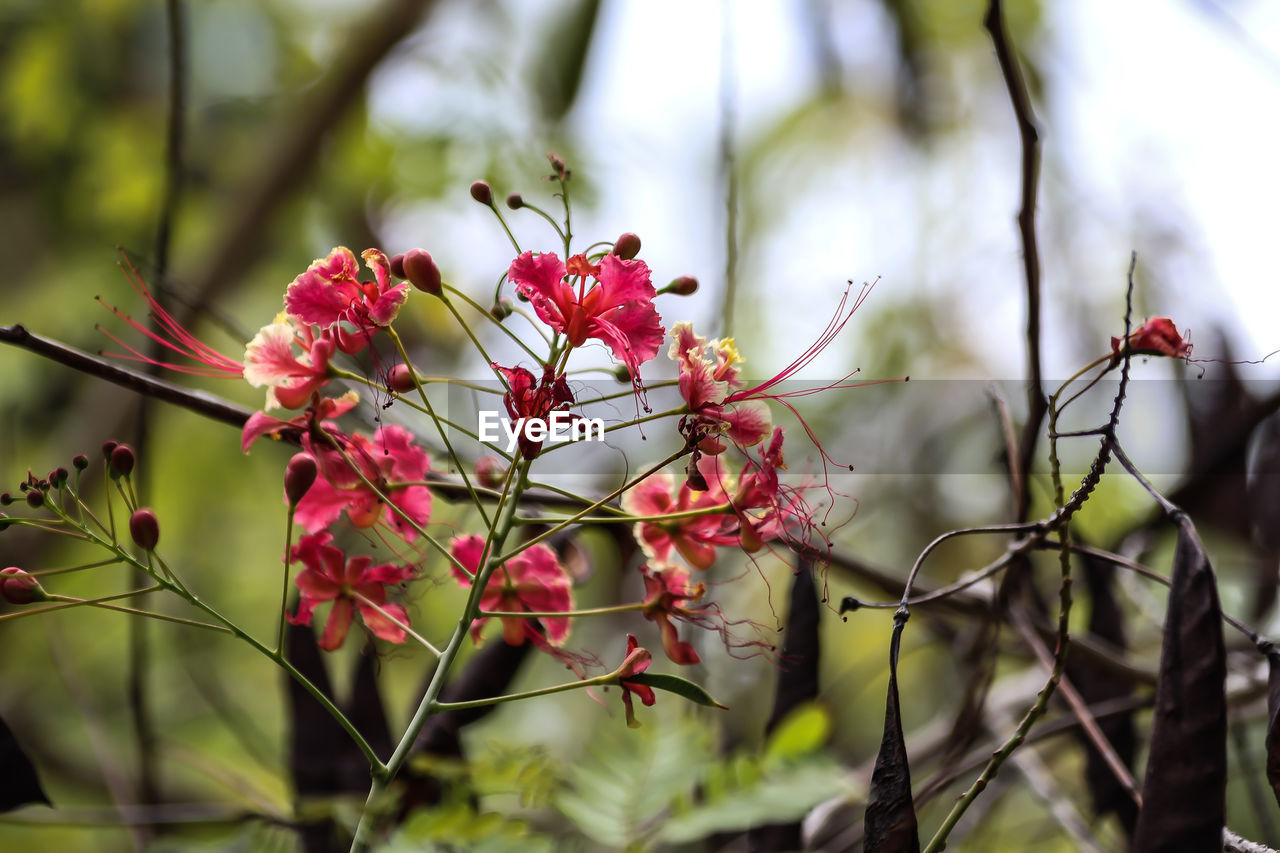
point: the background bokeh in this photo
(851, 140)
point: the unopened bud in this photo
(107, 447)
(685, 285)
(490, 472)
(144, 528)
(19, 587)
(422, 271)
(622, 373)
(515, 201)
(5, 498)
(122, 460)
(58, 477)
(481, 192)
(35, 499)
(299, 475)
(627, 246)
(397, 265)
(501, 310)
(80, 462)
(400, 379)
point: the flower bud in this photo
(622, 373)
(144, 528)
(397, 265)
(299, 475)
(400, 380)
(481, 192)
(627, 246)
(490, 472)
(35, 499)
(515, 201)
(501, 310)
(80, 462)
(122, 460)
(58, 477)
(19, 587)
(422, 271)
(107, 447)
(4, 522)
(685, 285)
(5, 498)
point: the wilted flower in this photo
(1157, 336)
(636, 662)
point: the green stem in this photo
(444, 434)
(515, 483)
(598, 681)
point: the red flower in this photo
(330, 293)
(530, 398)
(330, 576)
(706, 382)
(694, 538)
(290, 380)
(617, 309)
(667, 590)
(636, 662)
(391, 461)
(532, 581)
(1157, 336)
(318, 414)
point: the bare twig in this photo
(1037, 405)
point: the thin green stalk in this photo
(384, 774)
(529, 543)
(598, 681)
(444, 434)
(561, 614)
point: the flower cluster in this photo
(353, 487)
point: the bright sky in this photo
(1153, 99)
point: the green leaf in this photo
(801, 732)
(783, 794)
(622, 790)
(679, 686)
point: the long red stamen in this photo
(175, 336)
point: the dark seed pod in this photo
(627, 246)
(299, 475)
(421, 271)
(19, 587)
(482, 193)
(400, 380)
(122, 460)
(144, 528)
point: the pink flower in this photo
(391, 462)
(1157, 336)
(290, 380)
(706, 382)
(532, 581)
(636, 662)
(667, 591)
(330, 293)
(528, 397)
(694, 538)
(350, 584)
(617, 309)
(317, 416)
